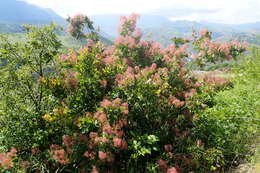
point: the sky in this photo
(218, 11)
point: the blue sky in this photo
(221, 11)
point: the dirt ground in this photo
(254, 165)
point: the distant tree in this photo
(79, 24)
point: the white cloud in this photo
(225, 11)
(91, 7)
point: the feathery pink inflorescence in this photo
(172, 170)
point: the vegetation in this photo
(130, 107)
(67, 41)
(232, 125)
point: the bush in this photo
(130, 107)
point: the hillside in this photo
(66, 40)
(19, 12)
(10, 28)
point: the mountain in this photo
(162, 29)
(20, 12)
(163, 34)
(248, 26)
(245, 27)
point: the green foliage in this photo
(143, 146)
(179, 41)
(23, 97)
(10, 28)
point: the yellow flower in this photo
(42, 80)
(54, 82)
(158, 92)
(65, 111)
(48, 117)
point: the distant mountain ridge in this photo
(20, 12)
(108, 23)
(162, 29)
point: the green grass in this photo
(243, 101)
(233, 121)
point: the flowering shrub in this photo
(6, 158)
(130, 107)
(215, 79)
(213, 51)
